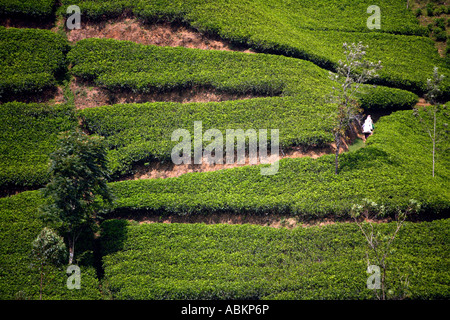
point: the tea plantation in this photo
(198, 261)
(286, 27)
(287, 87)
(31, 60)
(29, 133)
(391, 169)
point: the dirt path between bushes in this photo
(154, 170)
(161, 34)
(273, 220)
(87, 96)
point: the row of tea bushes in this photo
(30, 61)
(198, 261)
(37, 9)
(313, 32)
(19, 226)
(28, 134)
(142, 132)
(394, 166)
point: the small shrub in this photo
(440, 10)
(430, 9)
(440, 34)
(440, 23)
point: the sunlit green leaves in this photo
(198, 261)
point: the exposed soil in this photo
(25, 22)
(87, 96)
(422, 103)
(269, 220)
(153, 170)
(54, 95)
(160, 34)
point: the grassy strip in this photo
(197, 261)
(394, 166)
(19, 226)
(30, 61)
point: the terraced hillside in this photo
(288, 28)
(289, 235)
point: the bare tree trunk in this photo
(71, 250)
(40, 287)
(337, 138)
(383, 282)
(434, 138)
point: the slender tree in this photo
(349, 77)
(379, 244)
(78, 189)
(431, 112)
(47, 249)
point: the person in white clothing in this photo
(368, 127)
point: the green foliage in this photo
(440, 34)
(198, 261)
(440, 22)
(142, 132)
(430, 9)
(378, 98)
(48, 248)
(344, 15)
(28, 134)
(393, 168)
(42, 9)
(308, 30)
(30, 61)
(98, 9)
(78, 176)
(19, 226)
(124, 65)
(380, 243)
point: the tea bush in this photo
(123, 65)
(393, 167)
(198, 261)
(311, 30)
(142, 132)
(42, 9)
(30, 61)
(28, 134)
(19, 226)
